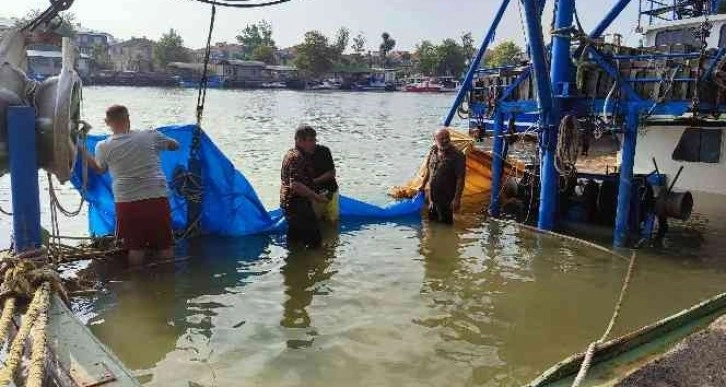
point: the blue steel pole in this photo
(497, 164)
(476, 62)
(24, 178)
(548, 177)
(609, 18)
(561, 70)
(626, 177)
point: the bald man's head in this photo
(443, 139)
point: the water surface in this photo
(403, 303)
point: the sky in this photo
(407, 21)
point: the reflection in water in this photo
(152, 307)
(305, 275)
(479, 303)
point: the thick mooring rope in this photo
(38, 306)
(587, 361)
(6, 319)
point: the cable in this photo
(243, 3)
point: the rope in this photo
(38, 349)
(587, 361)
(567, 146)
(38, 306)
(3, 211)
(203, 82)
(6, 319)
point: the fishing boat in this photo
(614, 360)
(426, 86)
(659, 104)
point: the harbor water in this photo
(403, 303)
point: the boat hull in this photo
(619, 357)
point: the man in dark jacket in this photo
(445, 173)
(297, 191)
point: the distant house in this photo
(46, 63)
(220, 51)
(88, 41)
(243, 70)
(135, 54)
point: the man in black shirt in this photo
(446, 172)
(325, 184)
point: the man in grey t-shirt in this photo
(143, 216)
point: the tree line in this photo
(319, 54)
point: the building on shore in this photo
(44, 63)
(92, 43)
(135, 54)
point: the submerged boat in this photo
(617, 359)
(659, 104)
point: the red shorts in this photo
(144, 224)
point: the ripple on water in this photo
(395, 304)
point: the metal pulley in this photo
(57, 101)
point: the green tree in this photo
(428, 60)
(63, 24)
(264, 54)
(387, 45)
(504, 54)
(451, 58)
(359, 48)
(170, 48)
(314, 55)
(467, 43)
(342, 38)
(256, 35)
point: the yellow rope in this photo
(39, 351)
(587, 361)
(15, 355)
(6, 319)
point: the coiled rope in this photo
(567, 146)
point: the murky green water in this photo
(393, 304)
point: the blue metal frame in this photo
(609, 18)
(24, 178)
(497, 164)
(552, 85)
(626, 177)
(475, 63)
(547, 111)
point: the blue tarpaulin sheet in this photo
(230, 205)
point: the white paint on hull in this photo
(659, 142)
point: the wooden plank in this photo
(77, 357)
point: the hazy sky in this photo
(408, 21)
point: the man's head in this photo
(305, 138)
(117, 118)
(443, 139)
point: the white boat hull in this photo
(705, 181)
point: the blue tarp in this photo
(230, 205)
